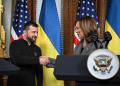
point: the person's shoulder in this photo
(16, 41)
(37, 46)
(80, 43)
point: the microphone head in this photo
(94, 36)
(107, 36)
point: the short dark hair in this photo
(29, 23)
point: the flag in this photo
(112, 24)
(85, 8)
(49, 39)
(21, 16)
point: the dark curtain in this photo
(32, 9)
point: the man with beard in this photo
(27, 56)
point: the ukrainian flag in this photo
(49, 39)
(112, 24)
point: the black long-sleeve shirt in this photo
(27, 58)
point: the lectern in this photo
(7, 68)
(74, 68)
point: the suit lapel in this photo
(86, 49)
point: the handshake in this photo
(44, 60)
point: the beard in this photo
(30, 39)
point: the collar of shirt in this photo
(27, 42)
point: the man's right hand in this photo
(44, 60)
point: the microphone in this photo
(107, 38)
(94, 38)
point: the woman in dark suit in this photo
(84, 28)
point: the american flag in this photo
(21, 16)
(85, 8)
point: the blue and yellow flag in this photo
(112, 25)
(49, 39)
